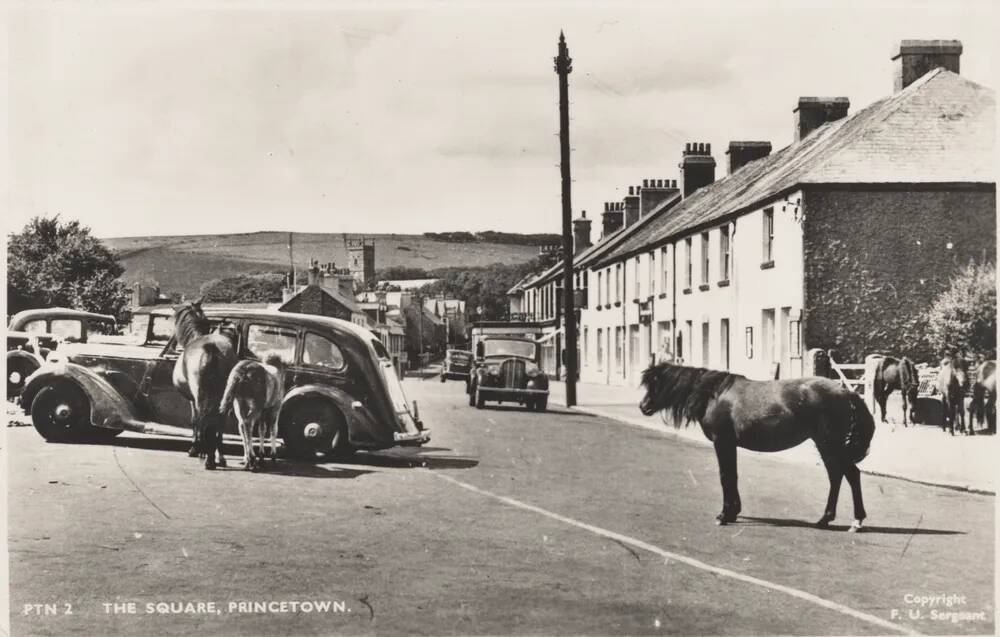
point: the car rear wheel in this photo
(315, 430)
(480, 399)
(18, 369)
(541, 403)
(60, 412)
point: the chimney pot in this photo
(915, 58)
(645, 183)
(630, 190)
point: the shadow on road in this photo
(408, 461)
(888, 530)
(304, 470)
(488, 407)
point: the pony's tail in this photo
(235, 377)
(859, 431)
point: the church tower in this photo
(361, 260)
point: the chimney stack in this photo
(581, 233)
(654, 192)
(631, 206)
(915, 58)
(697, 167)
(742, 153)
(611, 220)
(813, 112)
(313, 274)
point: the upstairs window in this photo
(618, 283)
(725, 253)
(599, 277)
(652, 274)
(704, 258)
(664, 276)
(768, 236)
(637, 291)
(688, 274)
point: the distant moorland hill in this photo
(182, 263)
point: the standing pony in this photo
(984, 396)
(953, 383)
(767, 416)
(892, 374)
(254, 392)
(200, 376)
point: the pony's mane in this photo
(188, 325)
(686, 391)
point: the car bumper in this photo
(489, 392)
(456, 375)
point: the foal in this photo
(254, 392)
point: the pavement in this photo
(919, 453)
(508, 522)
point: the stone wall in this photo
(875, 260)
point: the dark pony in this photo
(953, 383)
(984, 396)
(200, 376)
(891, 375)
(767, 416)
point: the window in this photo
(600, 348)
(795, 338)
(583, 359)
(724, 344)
(767, 335)
(688, 274)
(322, 352)
(607, 286)
(67, 328)
(379, 349)
(664, 280)
(652, 274)
(749, 342)
(704, 258)
(599, 277)
(618, 283)
(267, 340)
(768, 249)
(704, 345)
(724, 253)
(637, 291)
(36, 327)
(619, 346)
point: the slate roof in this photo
(600, 248)
(347, 302)
(939, 129)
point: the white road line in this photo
(792, 592)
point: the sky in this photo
(181, 118)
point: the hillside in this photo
(183, 263)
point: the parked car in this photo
(33, 334)
(342, 392)
(457, 365)
(508, 372)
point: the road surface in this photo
(510, 522)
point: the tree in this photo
(484, 287)
(53, 264)
(245, 288)
(963, 319)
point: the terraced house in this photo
(838, 241)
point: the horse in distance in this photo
(767, 416)
(200, 375)
(953, 384)
(891, 375)
(984, 397)
(254, 392)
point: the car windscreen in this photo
(523, 349)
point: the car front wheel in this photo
(60, 412)
(315, 430)
(480, 399)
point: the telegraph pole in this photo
(564, 66)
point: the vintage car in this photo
(342, 391)
(457, 365)
(33, 334)
(508, 372)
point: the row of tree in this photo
(492, 236)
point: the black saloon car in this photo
(342, 392)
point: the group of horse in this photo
(953, 383)
(776, 415)
(210, 375)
